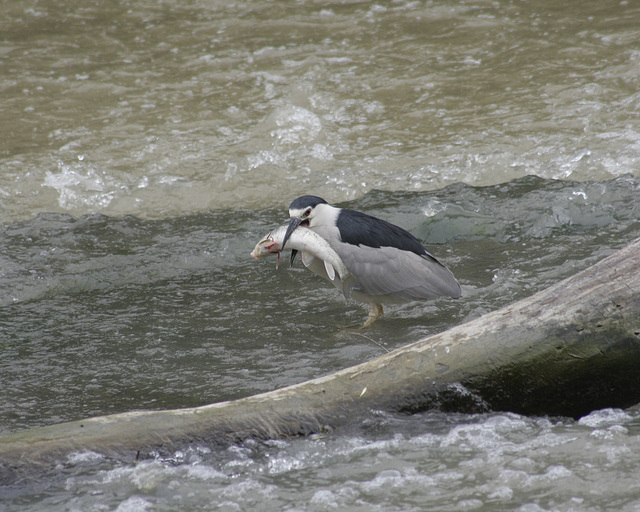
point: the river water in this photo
(145, 146)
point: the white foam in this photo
(295, 125)
(604, 418)
(326, 498)
(85, 456)
(78, 189)
(134, 504)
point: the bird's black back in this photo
(358, 228)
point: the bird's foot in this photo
(375, 312)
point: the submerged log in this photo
(566, 350)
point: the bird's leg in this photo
(375, 312)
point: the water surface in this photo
(165, 108)
(146, 146)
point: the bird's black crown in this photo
(306, 201)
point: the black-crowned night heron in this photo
(387, 263)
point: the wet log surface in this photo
(566, 350)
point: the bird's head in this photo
(302, 212)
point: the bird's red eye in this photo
(307, 212)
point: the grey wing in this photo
(404, 275)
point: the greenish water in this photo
(145, 147)
(103, 314)
(114, 314)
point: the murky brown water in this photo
(164, 108)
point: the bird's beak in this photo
(294, 253)
(293, 224)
